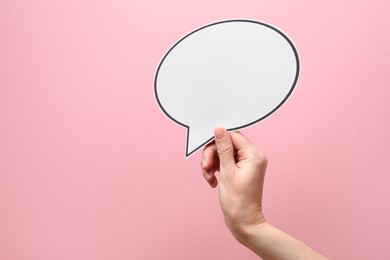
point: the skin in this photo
(242, 169)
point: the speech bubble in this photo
(233, 73)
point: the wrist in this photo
(256, 237)
(243, 226)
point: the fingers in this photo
(210, 164)
(228, 151)
(246, 150)
(225, 148)
(240, 141)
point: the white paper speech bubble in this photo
(232, 73)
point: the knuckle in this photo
(224, 148)
(260, 159)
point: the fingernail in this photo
(206, 175)
(204, 163)
(219, 132)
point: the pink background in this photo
(91, 169)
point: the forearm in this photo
(269, 242)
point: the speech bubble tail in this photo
(196, 139)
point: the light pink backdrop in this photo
(91, 169)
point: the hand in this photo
(242, 167)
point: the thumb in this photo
(225, 148)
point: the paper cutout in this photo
(232, 73)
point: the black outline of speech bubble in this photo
(239, 127)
